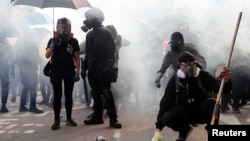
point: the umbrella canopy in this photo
(73, 4)
(34, 18)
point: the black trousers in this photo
(102, 89)
(57, 80)
(177, 118)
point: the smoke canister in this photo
(100, 138)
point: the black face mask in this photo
(176, 47)
(87, 24)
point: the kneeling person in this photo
(186, 100)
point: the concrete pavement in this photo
(137, 126)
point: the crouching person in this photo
(186, 100)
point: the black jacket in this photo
(171, 58)
(190, 92)
(100, 52)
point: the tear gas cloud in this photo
(209, 24)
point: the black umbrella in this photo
(72, 4)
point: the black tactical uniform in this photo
(99, 61)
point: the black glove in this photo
(76, 77)
(53, 42)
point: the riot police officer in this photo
(99, 62)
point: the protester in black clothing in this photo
(27, 58)
(186, 101)
(63, 49)
(99, 62)
(6, 70)
(177, 46)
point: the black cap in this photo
(186, 56)
(176, 38)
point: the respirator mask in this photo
(86, 26)
(63, 29)
(189, 69)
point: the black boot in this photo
(93, 120)
(183, 134)
(115, 124)
(4, 109)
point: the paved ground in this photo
(137, 126)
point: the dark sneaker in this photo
(235, 110)
(4, 109)
(183, 135)
(56, 125)
(115, 124)
(36, 111)
(70, 122)
(23, 109)
(93, 121)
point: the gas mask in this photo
(189, 71)
(63, 29)
(86, 26)
(63, 35)
(94, 18)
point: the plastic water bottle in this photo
(100, 138)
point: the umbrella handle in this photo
(53, 23)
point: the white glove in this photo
(157, 136)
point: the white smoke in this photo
(146, 23)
